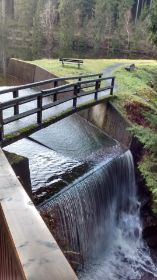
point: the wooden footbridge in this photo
(20, 116)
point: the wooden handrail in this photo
(46, 93)
(36, 84)
(77, 83)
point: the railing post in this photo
(1, 126)
(55, 95)
(112, 85)
(76, 90)
(39, 106)
(97, 86)
(16, 107)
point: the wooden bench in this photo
(130, 68)
(71, 61)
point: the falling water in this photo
(97, 218)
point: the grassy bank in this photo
(136, 96)
(89, 66)
(137, 100)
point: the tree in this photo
(123, 24)
(67, 10)
(24, 12)
(104, 22)
(37, 36)
(153, 21)
(48, 21)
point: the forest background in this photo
(77, 28)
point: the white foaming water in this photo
(98, 218)
(126, 257)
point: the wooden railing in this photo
(54, 81)
(76, 90)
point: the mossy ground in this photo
(89, 66)
(13, 158)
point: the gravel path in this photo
(109, 71)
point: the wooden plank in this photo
(97, 87)
(112, 85)
(31, 85)
(10, 266)
(81, 94)
(58, 89)
(39, 106)
(55, 95)
(61, 101)
(34, 246)
(16, 107)
(56, 103)
(21, 116)
(18, 100)
(1, 126)
(77, 60)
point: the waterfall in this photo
(97, 218)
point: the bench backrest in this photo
(71, 60)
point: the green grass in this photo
(131, 85)
(89, 66)
(135, 81)
(136, 85)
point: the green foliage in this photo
(24, 12)
(67, 26)
(37, 37)
(153, 21)
(77, 28)
(148, 168)
(147, 136)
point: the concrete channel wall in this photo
(29, 73)
(27, 248)
(106, 117)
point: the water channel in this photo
(84, 186)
